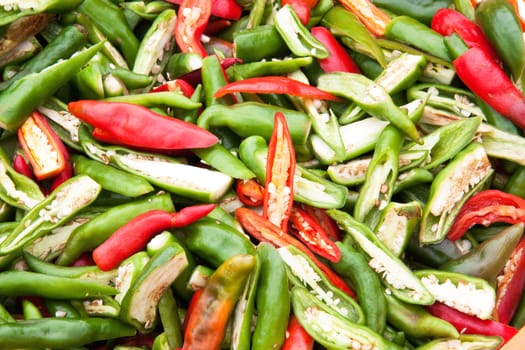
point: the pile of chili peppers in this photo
(261, 174)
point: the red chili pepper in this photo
(510, 285)
(296, 337)
(374, 19)
(42, 147)
(339, 59)
(133, 236)
(264, 231)
(481, 74)
(66, 173)
(250, 192)
(468, 324)
(275, 85)
(137, 126)
(228, 9)
(326, 222)
(193, 16)
(178, 85)
(191, 308)
(84, 260)
(216, 26)
(485, 208)
(308, 231)
(21, 166)
(302, 8)
(280, 170)
(447, 21)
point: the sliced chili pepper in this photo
(67, 171)
(280, 170)
(374, 19)
(510, 284)
(228, 9)
(250, 192)
(487, 79)
(339, 59)
(302, 8)
(191, 308)
(42, 146)
(447, 21)
(467, 324)
(193, 16)
(275, 85)
(485, 208)
(297, 337)
(326, 222)
(179, 85)
(21, 166)
(134, 125)
(307, 230)
(264, 231)
(133, 236)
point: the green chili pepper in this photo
(182, 63)
(25, 94)
(412, 177)
(452, 186)
(369, 96)
(422, 10)
(465, 341)
(128, 272)
(18, 283)
(416, 322)
(409, 30)
(11, 12)
(110, 20)
(258, 43)
(343, 23)
(61, 308)
(271, 324)
(68, 41)
(66, 200)
(400, 280)
(214, 241)
(169, 317)
(329, 328)
(502, 27)
(487, 259)
(471, 295)
(172, 99)
(303, 272)
(367, 285)
(262, 68)
(97, 230)
(252, 118)
(61, 332)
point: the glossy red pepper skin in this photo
(21, 166)
(302, 8)
(31, 135)
(481, 74)
(67, 172)
(486, 208)
(264, 231)
(511, 284)
(137, 126)
(467, 324)
(326, 222)
(447, 21)
(275, 85)
(280, 170)
(179, 85)
(250, 192)
(308, 231)
(133, 236)
(192, 19)
(228, 9)
(296, 337)
(339, 59)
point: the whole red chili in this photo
(339, 59)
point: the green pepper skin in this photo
(488, 259)
(501, 25)
(97, 230)
(272, 290)
(254, 44)
(213, 79)
(61, 333)
(214, 241)
(26, 94)
(422, 10)
(367, 285)
(19, 283)
(415, 321)
(465, 341)
(262, 68)
(253, 118)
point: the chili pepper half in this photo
(138, 126)
(193, 16)
(372, 17)
(133, 236)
